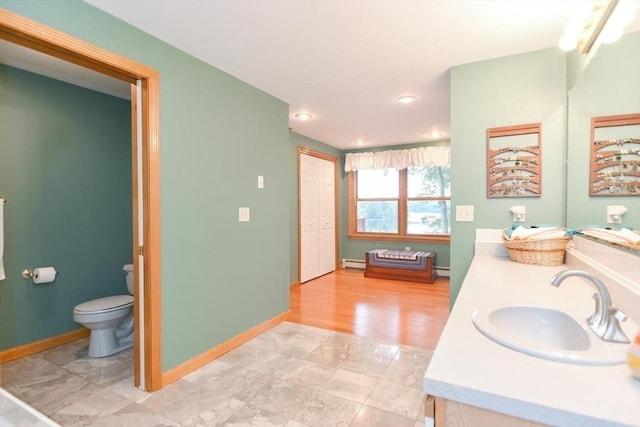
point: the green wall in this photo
(609, 85)
(519, 89)
(65, 169)
(217, 134)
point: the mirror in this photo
(609, 85)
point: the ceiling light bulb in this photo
(568, 43)
(624, 13)
(611, 34)
(302, 116)
(408, 99)
(359, 142)
(574, 27)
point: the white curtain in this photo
(398, 159)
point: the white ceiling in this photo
(30, 60)
(345, 62)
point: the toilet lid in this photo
(104, 304)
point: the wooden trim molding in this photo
(42, 345)
(318, 154)
(294, 285)
(34, 35)
(383, 237)
(199, 361)
(152, 227)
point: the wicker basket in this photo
(539, 252)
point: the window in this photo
(407, 204)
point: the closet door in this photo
(326, 214)
(308, 218)
(317, 217)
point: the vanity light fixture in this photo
(602, 22)
(407, 99)
(303, 116)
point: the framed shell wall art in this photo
(514, 155)
(615, 156)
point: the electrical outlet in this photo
(260, 181)
(243, 214)
(464, 213)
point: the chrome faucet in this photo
(604, 320)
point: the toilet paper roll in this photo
(44, 275)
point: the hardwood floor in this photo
(388, 310)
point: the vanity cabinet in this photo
(449, 413)
(476, 381)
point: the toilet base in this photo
(105, 342)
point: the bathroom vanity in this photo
(477, 381)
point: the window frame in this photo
(403, 199)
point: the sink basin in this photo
(547, 333)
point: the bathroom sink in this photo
(547, 333)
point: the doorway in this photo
(145, 172)
(317, 214)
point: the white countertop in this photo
(14, 412)
(468, 367)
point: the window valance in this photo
(398, 159)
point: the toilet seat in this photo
(104, 305)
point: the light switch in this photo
(464, 213)
(260, 181)
(243, 214)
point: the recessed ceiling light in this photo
(302, 116)
(436, 134)
(407, 99)
(359, 142)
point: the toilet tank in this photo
(128, 274)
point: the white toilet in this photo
(110, 320)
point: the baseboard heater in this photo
(443, 271)
(359, 264)
(353, 263)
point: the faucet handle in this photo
(618, 314)
(614, 332)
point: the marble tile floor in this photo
(292, 375)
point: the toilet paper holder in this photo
(36, 275)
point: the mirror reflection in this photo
(608, 85)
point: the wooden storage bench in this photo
(401, 265)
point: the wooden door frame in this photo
(336, 222)
(34, 35)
